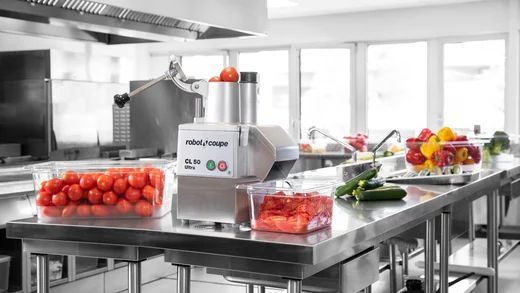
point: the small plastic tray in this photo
(293, 206)
(103, 189)
(406, 177)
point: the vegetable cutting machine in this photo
(223, 148)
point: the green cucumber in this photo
(371, 184)
(390, 192)
(352, 184)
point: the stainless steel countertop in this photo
(355, 226)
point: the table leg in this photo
(134, 277)
(393, 268)
(445, 250)
(294, 286)
(429, 256)
(471, 224)
(183, 279)
(261, 289)
(250, 288)
(404, 273)
(492, 240)
(367, 290)
(42, 273)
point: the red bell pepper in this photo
(425, 134)
(443, 158)
(415, 157)
(474, 153)
(450, 148)
(413, 143)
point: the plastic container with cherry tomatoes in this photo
(103, 189)
(295, 206)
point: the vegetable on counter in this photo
(348, 187)
(499, 143)
(388, 192)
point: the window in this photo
(325, 90)
(273, 77)
(474, 84)
(203, 66)
(396, 88)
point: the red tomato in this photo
(157, 178)
(60, 199)
(120, 185)
(105, 182)
(159, 199)
(51, 211)
(42, 186)
(65, 189)
(75, 192)
(110, 198)
(229, 74)
(95, 196)
(149, 192)
(100, 210)
(83, 210)
(69, 210)
(133, 194)
(144, 208)
(137, 179)
(70, 177)
(123, 206)
(54, 185)
(115, 173)
(87, 182)
(44, 198)
(214, 79)
(95, 175)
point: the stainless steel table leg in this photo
(393, 268)
(471, 228)
(492, 240)
(42, 273)
(250, 288)
(134, 277)
(445, 250)
(367, 290)
(261, 289)
(429, 256)
(183, 279)
(294, 286)
(404, 273)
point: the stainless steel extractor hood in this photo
(134, 21)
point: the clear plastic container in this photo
(103, 189)
(444, 158)
(4, 272)
(293, 206)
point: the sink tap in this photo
(344, 144)
(380, 144)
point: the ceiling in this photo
(300, 8)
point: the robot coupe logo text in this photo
(207, 143)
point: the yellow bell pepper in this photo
(446, 134)
(461, 155)
(430, 147)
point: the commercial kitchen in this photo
(259, 146)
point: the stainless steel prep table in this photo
(355, 228)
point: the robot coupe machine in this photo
(223, 148)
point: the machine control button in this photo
(222, 166)
(210, 165)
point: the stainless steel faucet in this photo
(344, 144)
(380, 144)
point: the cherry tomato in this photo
(87, 182)
(83, 210)
(69, 210)
(42, 186)
(95, 175)
(99, 210)
(143, 208)
(229, 74)
(95, 196)
(123, 206)
(75, 192)
(51, 211)
(157, 179)
(65, 189)
(149, 192)
(215, 79)
(115, 173)
(133, 194)
(159, 199)
(137, 179)
(60, 199)
(120, 185)
(105, 182)
(70, 177)
(54, 185)
(44, 198)
(110, 198)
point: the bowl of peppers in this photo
(443, 153)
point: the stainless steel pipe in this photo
(492, 240)
(393, 268)
(250, 288)
(134, 277)
(183, 279)
(445, 251)
(429, 256)
(294, 286)
(42, 273)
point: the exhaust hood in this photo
(134, 21)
